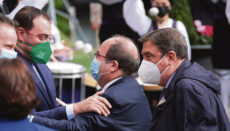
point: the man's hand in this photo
(94, 103)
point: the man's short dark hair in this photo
(127, 63)
(168, 39)
(6, 20)
(26, 15)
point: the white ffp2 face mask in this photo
(149, 72)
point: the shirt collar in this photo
(110, 83)
(170, 78)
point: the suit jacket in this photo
(21, 125)
(130, 111)
(47, 96)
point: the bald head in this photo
(123, 50)
(126, 44)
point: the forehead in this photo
(104, 47)
(41, 25)
(161, 1)
(150, 48)
(7, 33)
(5, 29)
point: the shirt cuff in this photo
(69, 112)
(30, 117)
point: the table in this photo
(65, 70)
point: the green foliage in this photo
(82, 58)
(62, 23)
(66, 38)
(59, 4)
(181, 11)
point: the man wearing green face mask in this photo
(33, 47)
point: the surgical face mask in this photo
(95, 68)
(8, 54)
(40, 53)
(163, 10)
(149, 72)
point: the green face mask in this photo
(40, 53)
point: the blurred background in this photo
(195, 14)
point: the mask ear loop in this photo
(21, 47)
(107, 61)
(160, 62)
(165, 70)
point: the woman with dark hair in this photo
(17, 96)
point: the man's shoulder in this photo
(124, 90)
(41, 128)
(125, 83)
(127, 80)
(24, 125)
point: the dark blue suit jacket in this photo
(47, 96)
(130, 111)
(21, 125)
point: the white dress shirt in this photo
(227, 10)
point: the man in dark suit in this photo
(115, 62)
(33, 47)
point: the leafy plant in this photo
(181, 11)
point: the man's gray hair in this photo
(168, 39)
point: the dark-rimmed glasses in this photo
(97, 55)
(43, 38)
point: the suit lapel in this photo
(37, 81)
(45, 81)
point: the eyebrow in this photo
(44, 35)
(148, 53)
(8, 43)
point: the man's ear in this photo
(20, 33)
(172, 57)
(115, 66)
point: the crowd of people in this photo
(189, 99)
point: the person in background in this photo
(8, 37)
(227, 10)
(220, 51)
(114, 65)
(33, 47)
(17, 97)
(137, 19)
(59, 51)
(190, 98)
(202, 14)
(113, 21)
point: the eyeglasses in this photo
(97, 55)
(42, 37)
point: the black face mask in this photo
(163, 10)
